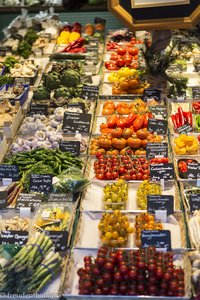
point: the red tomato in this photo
(113, 56)
(111, 65)
(120, 62)
(133, 51)
(127, 60)
(135, 57)
(121, 50)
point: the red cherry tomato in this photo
(121, 50)
(120, 62)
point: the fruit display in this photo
(122, 167)
(137, 106)
(127, 143)
(132, 273)
(146, 188)
(114, 229)
(69, 33)
(131, 85)
(122, 57)
(186, 145)
(183, 167)
(115, 195)
(145, 221)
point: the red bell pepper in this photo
(181, 116)
(130, 119)
(174, 121)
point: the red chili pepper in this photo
(130, 119)
(181, 116)
(177, 119)
(174, 121)
(77, 50)
(189, 118)
(75, 44)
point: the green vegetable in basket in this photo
(71, 180)
(9, 62)
(41, 93)
(52, 81)
(70, 78)
(6, 79)
(31, 36)
(24, 49)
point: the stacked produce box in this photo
(99, 171)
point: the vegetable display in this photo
(29, 260)
(181, 118)
(186, 145)
(136, 272)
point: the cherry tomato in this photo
(139, 176)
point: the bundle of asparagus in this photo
(32, 268)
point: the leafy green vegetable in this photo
(31, 36)
(9, 62)
(71, 180)
(41, 93)
(24, 49)
(6, 79)
(62, 92)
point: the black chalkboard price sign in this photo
(159, 110)
(13, 237)
(186, 128)
(9, 171)
(193, 170)
(194, 201)
(90, 92)
(160, 202)
(152, 94)
(28, 200)
(38, 109)
(158, 238)
(70, 146)
(162, 171)
(73, 122)
(196, 92)
(157, 125)
(156, 150)
(41, 183)
(59, 239)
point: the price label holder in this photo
(70, 146)
(162, 171)
(60, 197)
(9, 171)
(87, 79)
(186, 128)
(158, 126)
(194, 201)
(157, 238)
(6, 181)
(156, 150)
(15, 237)
(29, 201)
(25, 212)
(41, 183)
(3, 199)
(59, 239)
(79, 122)
(90, 92)
(159, 111)
(193, 170)
(150, 94)
(196, 92)
(160, 203)
(161, 216)
(38, 109)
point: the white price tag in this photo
(25, 212)
(161, 215)
(45, 214)
(6, 181)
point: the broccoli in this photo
(41, 93)
(70, 78)
(52, 81)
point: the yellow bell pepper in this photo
(65, 34)
(192, 149)
(180, 151)
(74, 36)
(179, 143)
